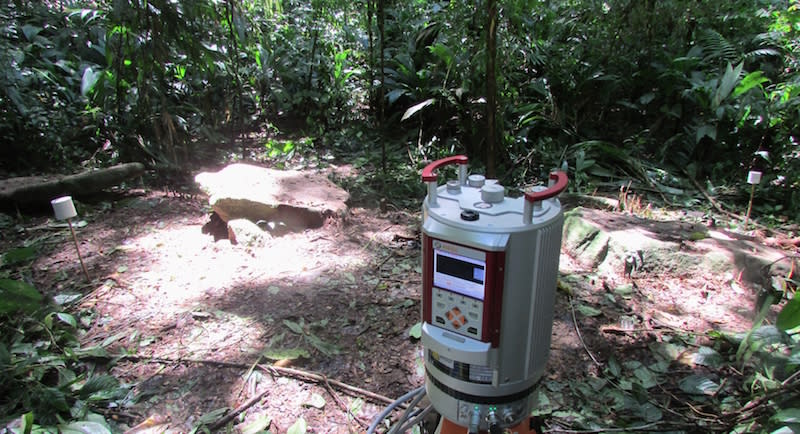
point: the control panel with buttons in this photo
(457, 313)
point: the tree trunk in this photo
(371, 58)
(381, 31)
(237, 82)
(491, 90)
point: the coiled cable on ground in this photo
(404, 422)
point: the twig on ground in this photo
(313, 376)
(232, 415)
(341, 404)
(249, 373)
(747, 412)
(717, 206)
(706, 417)
(292, 372)
(598, 431)
(661, 330)
(580, 337)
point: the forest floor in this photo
(202, 321)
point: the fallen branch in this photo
(342, 405)
(578, 332)
(623, 331)
(319, 378)
(291, 372)
(717, 206)
(39, 189)
(232, 415)
(598, 431)
(751, 409)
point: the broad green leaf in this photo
(89, 80)
(794, 358)
(54, 398)
(697, 384)
(62, 299)
(626, 289)
(417, 107)
(787, 415)
(650, 412)
(84, 427)
(285, 353)
(415, 331)
(543, 406)
(789, 316)
(554, 386)
(260, 423)
(727, 84)
(613, 367)
(646, 377)
(67, 319)
(293, 326)
(782, 430)
(751, 80)
(212, 416)
(18, 295)
(325, 348)
(316, 401)
(17, 255)
(395, 95)
(667, 350)
(707, 130)
(94, 351)
(569, 415)
(767, 335)
(588, 310)
(706, 356)
(298, 427)
(30, 31)
(355, 406)
(98, 384)
(26, 422)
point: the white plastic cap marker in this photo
(754, 177)
(64, 208)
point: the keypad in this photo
(457, 313)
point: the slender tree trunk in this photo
(314, 37)
(371, 58)
(491, 89)
(234, 57)
(381, 31)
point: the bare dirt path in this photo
(197, 314)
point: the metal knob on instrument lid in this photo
(476, 181)
(492, 193)
(453, 186)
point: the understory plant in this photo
(48, 382)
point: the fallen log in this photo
(38, 190)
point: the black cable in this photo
(382, 415)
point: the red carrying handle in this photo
(428, 174)
(561, 184)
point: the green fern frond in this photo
(716, 47)
(761, 53)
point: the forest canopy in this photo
(645, 90)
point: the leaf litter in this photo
(343, 300)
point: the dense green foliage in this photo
(639, 90)
(643, 90)
(45, 374)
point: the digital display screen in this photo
(459, 274)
